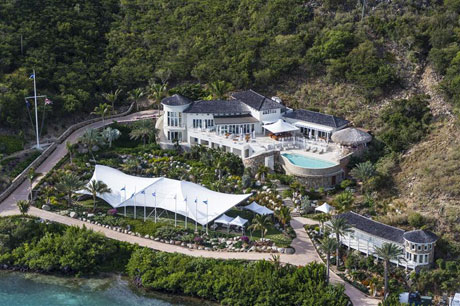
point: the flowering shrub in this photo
(112, 212)
(245, 239)
(198, 240)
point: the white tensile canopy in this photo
(238, 221)
(325, 208)
(456, 300)
(224, 219)
(258, 209)
(280, 127)
(185, 198)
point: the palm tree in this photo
(328, 245)
(387, 252)
(145, 130)
(71, 149)
(363, 172)
(131, 165)
(284, 215)
(219, 89)
(261, 173)
(157, 92)
(23, 206)
(261, 223)
(135, 95)
(112, 97)
(344, 200)
(110, 135)
(339, 227)
(31, 174)
(90, 139)
(97, 187)
(68, 184)
(102, 110)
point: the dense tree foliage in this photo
(28, 243)
(235, 282)
(82, 50)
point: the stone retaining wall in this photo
(255, 161)
(18, 180)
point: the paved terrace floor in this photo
(305, 251)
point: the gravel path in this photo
(305, 251)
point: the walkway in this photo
(305, 251)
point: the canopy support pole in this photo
(155, 208)
(175, 210)
(145, 213)
(196, 214)
(186, 212)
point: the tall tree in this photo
(261, 223)
(157, 92)
(68, 184)
(219, 89)
(344, 200)
(363, 172)
(145, 130)
(339, 227)
(96, 187)
(262, 173)
(135, 95)
(110, 135)
(284, 215)
(102, 110)
(90, 139)
(328, 245)
(23, 206)
(387, 252)
(112, 97)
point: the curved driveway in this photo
(305, 251)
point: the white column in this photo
(367, 248)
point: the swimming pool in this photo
(308, 162)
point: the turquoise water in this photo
(307, 162)
(34, 289)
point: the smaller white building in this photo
(367, 234)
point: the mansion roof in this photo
(256, 100)
(318, 118)
(372, 227)
(420, 236)
(176, 100)
(235, 107)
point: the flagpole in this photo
(144, 206)
(135, 198)
(186, 212)
(207, 216)
(125, 204)
(196, 214)
(175, 210)
(155, 195)
(36, 111)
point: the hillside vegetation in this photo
(392, 67)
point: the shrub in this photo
(416, 220)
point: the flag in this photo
(132, 195)
(27, 103)
(205, 202)
(175, 196)
(185, 199)
(48, 101)
(32, 76)
(143, 192)
(196, 200)
(154, 194)
(123, 189)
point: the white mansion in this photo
(241, 125)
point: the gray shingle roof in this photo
(372, 227)
(420, 236)
(176, 100)
(256, 100)
(318, 118)
(218, 107)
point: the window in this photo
(172, 136)
(269, 111)
(174, 119)
(426, 247)
(419, 247)
(197, 123)
(429, 246)
(412, 246)
(415, 258)
(420, 259)
(407, 255)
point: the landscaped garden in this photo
(132, 149)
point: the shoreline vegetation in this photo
(28, 244)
